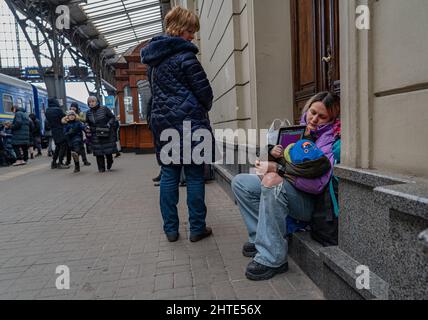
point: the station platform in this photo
(107, 229)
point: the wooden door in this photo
(315, 46)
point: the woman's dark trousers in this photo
(21, 155)
(60, 150)
(68, 153)
(102, 163)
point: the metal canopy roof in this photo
(101, 30)
(124, 23)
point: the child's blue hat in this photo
(303, 151)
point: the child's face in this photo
(71, 118)
(7, 125)
(188, 35)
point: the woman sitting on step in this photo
(265, 204)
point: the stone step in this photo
(411, 198)
(340, 267)
(333, 271)
(306, 253)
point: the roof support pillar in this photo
(53, 76)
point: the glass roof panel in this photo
(124, 23)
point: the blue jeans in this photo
(169, 197)
(264, 211)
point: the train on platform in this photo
(16, 92)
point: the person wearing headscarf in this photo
(101, 122)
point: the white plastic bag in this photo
(273, 132)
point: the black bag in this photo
(102, 132)
(208, 172)
(324, 222)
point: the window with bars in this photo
(7, 103)
(19, 103)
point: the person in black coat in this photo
(8, 152)
(54, 115)
(181, 93)
(101, 122)
(20, 135)
(3, 156)
(36, 134)
(48, 135)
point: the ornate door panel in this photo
(315, 46)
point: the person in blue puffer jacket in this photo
(181, 93)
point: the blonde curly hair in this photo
(180, 20)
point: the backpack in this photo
(324, 222)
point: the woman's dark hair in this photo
(330, 100)
(75, 106)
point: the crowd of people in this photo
(20, 139)
(289, 185)
(71, 135)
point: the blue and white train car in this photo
(15, 92)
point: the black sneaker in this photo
(249, 250)
(87, 164)
(157, 179)
(54, 165)
(173, 237)
(109, 165)
(258, 272)
(199, 237)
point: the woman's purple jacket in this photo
(325, 141)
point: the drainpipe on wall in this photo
(165, 8)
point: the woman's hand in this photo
(277, 152)
(264, 167)
(309, 128)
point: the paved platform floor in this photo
(106, 228)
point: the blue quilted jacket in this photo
(180, 89)
(73, 132)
